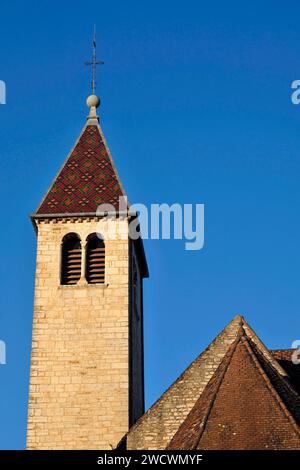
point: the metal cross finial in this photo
(94, 62)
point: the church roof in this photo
(236, 395)
(87, 178)
(284, 358)
(247, 404)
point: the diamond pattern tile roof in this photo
(87, 179)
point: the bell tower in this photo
(86, 377)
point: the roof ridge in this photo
(237, 318)
(283, 349)
(262, 347)
(287, 384)
(227, 359)
(111, 159)
(269, 384)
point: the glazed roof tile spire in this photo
(88, 176)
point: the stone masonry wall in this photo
(79, 363)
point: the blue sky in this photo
(196, 108)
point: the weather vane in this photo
(94, 62)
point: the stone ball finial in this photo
(93, 101)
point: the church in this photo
(86, 374)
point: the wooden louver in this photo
(71, 260)
(95, 260)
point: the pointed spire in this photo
(87, 179)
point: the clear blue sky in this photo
(196, 109)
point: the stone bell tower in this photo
(86, 378)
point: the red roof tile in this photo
(284, 358)
(87, 179)
(246, 405)
(235, 395)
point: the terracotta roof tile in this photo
(156, 427)
(284, 358)
(246, 405)
(235, 395)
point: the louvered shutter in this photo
(71, 259)
(95, 260)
